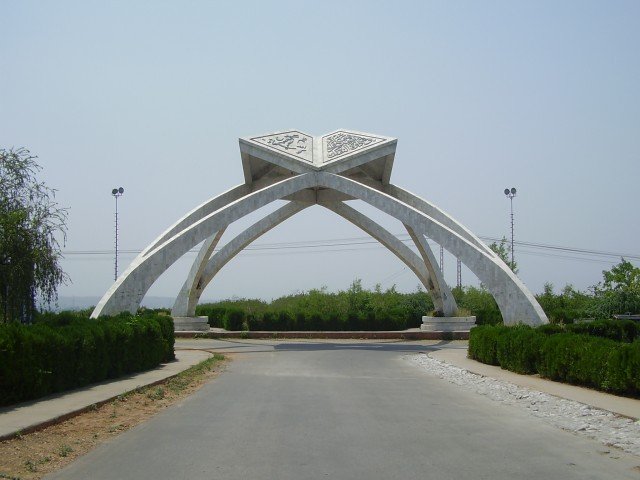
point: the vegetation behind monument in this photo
(358, 308)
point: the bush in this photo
(63, 352)
(233, 319)
(214, 313)
(483, 343)
(618, 330)
(519, 351)
(582, 360)
(561, 355)
(353, 309)
(480, 303)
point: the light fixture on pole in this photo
(510, 193)
(116, 192)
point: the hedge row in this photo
(63, 352)
(237, 319)
(618, 330)
(575, 358)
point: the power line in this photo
(331, 244)
(568, 249)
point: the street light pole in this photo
(510, 193)
(116, 192)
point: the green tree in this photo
(503, 250)
(566, 306)
(619, 292)
(30, 221)
(478, 302)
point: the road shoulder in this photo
(624, 406)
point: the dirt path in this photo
(37, 454)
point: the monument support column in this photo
(445, 303)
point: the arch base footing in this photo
(190, 324)
(447, 324)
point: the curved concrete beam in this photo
(446, 303)
(193, 279)
(437, 214)
(515, 301)
(187, 300)
(204, 209)
(129, 290)
(390, 241)
(198, 213)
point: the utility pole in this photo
(116, 192)
(510, 193)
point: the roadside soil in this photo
(37, 454)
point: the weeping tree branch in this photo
(30, 224)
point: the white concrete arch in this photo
(187, 299)
(516, 303)
(423, 268)
(192, 284)
(128, 291)
(339, 166)
(192, 289)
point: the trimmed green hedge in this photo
(353, 309)
(63, 352)
(558, 354)
(483, 343)
(619, 330)
(236, 319)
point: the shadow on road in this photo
(400, 346)
(383, 347)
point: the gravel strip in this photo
(608, 428)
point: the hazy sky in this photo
(543, 96)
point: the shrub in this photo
(353, 309)
(214, 313)
(631, 365)
(519, 350)
(480, 303)
(483, 343)
(618, 330)
(561, 355)
(63, 352)
(233, 319)
(582, 360)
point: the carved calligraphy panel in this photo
(293, 143)
(340, 144)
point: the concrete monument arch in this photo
(328, 171)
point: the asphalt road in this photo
(342, 410)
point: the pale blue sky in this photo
(153, 96)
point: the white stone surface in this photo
(443, 298)
(190, 293)
(191, 324)
(606, 427)
(447, 324)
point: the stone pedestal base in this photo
(190, 324)
(447, 324)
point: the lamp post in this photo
(116, 192)
(510, 193)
